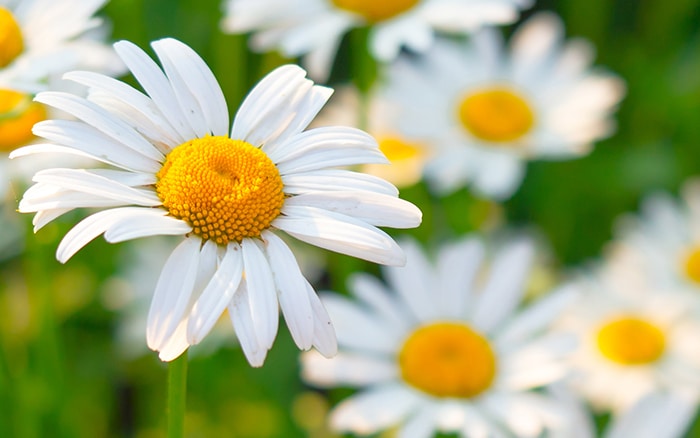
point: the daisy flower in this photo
(444, 348)
(406, 158)
(34, 44)
(35, 47)
(485, 113)
(315, 27)
(636, 337)
(664, 240)
(177, 171)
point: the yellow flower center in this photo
(225, 189)
(448, 360)
(496, 115)
(376, 10)
(18, 113)
(631, 341)
(11, 43)
(692, 265)
(396, 149)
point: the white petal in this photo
(174, 346)
(156, 84)
(280, 105)
(172, 294)
(336, 179)
(195, 87)
(346, 369)
(261, 291)
(374, 208)
(102, 120)
(90, 182)
(458, 265)
(144, 223)
(375, 295)
(217, 295)
(375, 409)
(324, 332)
(242, 319)
(414, 282)
(505, 286)
(326, 147)
(94, 225)
(291, 290)
(357, 329)
(89, 140)
(537, 316)
(131, 105)
(340, 233)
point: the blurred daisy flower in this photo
(664, 240)
(315, 27)
(636, 337)
(406, 158)
(446, 350)
(486, 113)
(178, 172)
(35, 49)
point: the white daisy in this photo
(40, 38)
(315, 27)
(486, 113)
(406, 158)
(636, 337)
(446, 350)
(664, 240)
(178, 172)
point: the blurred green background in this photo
(62, 373)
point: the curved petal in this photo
(324, 333)
(346, 369)
(374, 208)
(156, 85)
(240, 312)
(195, 87)
(102, 120)
(375, 409)
(217, 295)
(340, 233)
(291, 290)
(172, 293)
(261, 292)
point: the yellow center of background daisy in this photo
(692, 265)
(496, 115)
(18, 113)
(11, 43)
(447, 360)
(631, 341)
(396, 149)
(376, 10)
(225, 189)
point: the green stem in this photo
(363, 66)
(177, 394)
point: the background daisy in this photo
(664, 238)
(485, 112)
(444, 348)
(636, 337)
(314, 27)
(176, 171)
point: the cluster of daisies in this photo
(452, 339)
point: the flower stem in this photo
(177, 394)
(363, 71)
